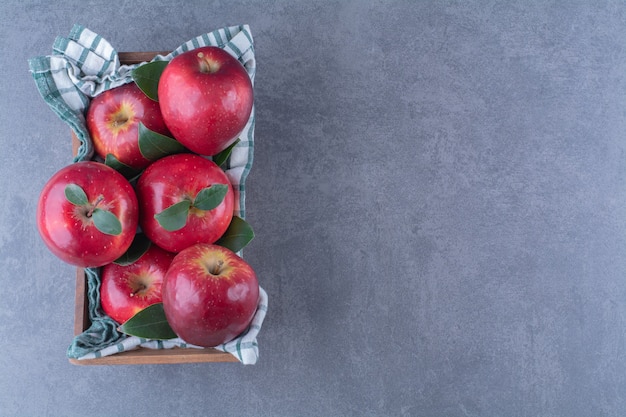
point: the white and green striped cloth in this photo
(82, 66)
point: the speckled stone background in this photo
(439, 196)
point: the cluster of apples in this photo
(154, 208)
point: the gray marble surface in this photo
(438, 192)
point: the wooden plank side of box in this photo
(140, 356)
(128, 58)
(143, 356)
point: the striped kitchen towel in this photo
(84, 65)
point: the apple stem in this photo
(205, 67)
(120, 121)
(141, 288)
(217, 268)
(205, 64)
(95, 205)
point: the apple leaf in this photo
(153, 145)
(106, 222)
(127, 171)
(140, 245)
(210, 197)
(149, 323)
(237, 236)
(221, 157)
(75, 195)
(174, 217)
(147, 77)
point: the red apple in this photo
(210, 295)
(206, 99)
(169, 191)
(87, 214)
(113, 119)
(127, 289)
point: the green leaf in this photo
(210, 197)
(174, 217)
(153, 145)
(140, 245)
(237, 236)
(106, 222)
(127, 171)
(147, 77)
(221, 157)
(149, 323)
(75, 195)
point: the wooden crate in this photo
(141, 356)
